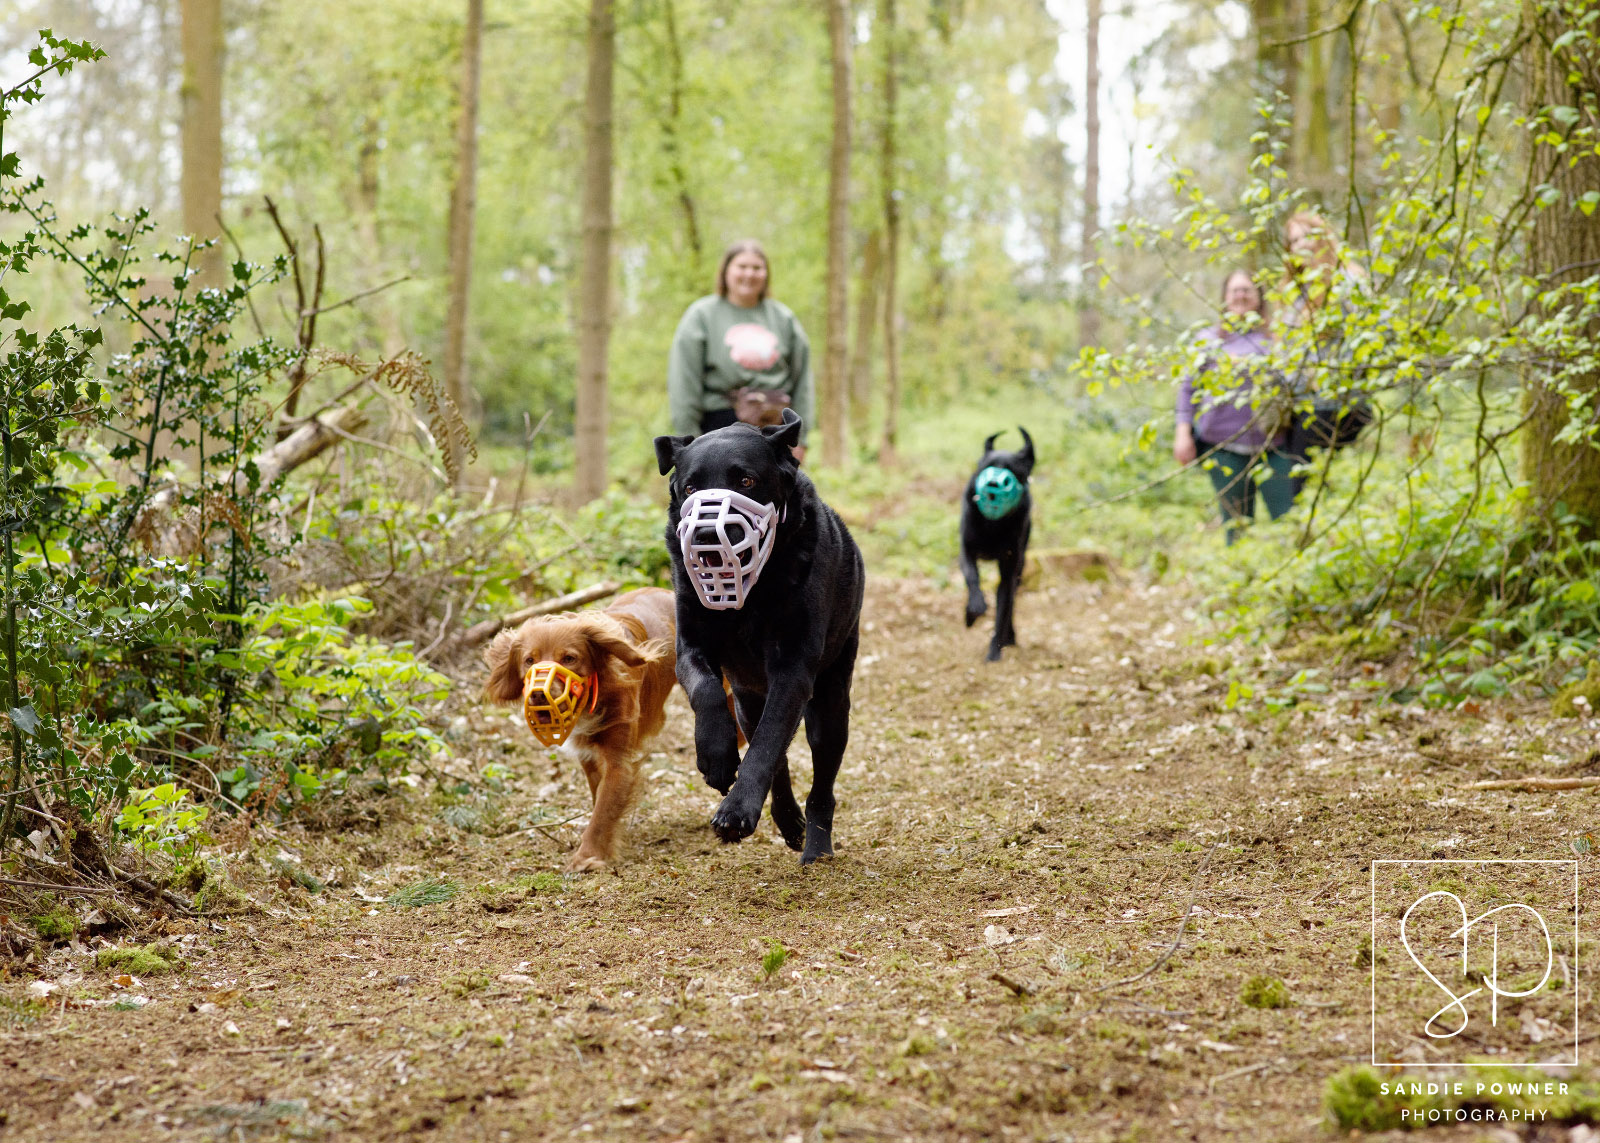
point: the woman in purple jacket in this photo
(1227, 428)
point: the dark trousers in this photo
(1233, 476)
(716, 419)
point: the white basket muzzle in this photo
(726, 539)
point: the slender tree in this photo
(594, 283)
(888, 31)
(835, 378)
(463, 217)
(1277, 69)
(201, 132)
(1089, 319)
(672, 131)
(1564, 247)
(867, 297)
(1313, 125)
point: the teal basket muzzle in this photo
(996, 492)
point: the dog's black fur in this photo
(1004, 540)
(789, 652)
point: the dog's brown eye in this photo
(688, 490)
(748, 482)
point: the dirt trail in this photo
(1034, 828)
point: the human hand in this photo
(1183, 449)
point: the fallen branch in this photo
(182, 536)
(152, 890)
(489, 628)
(1017, 988)
(1535, 784)
(56, 885)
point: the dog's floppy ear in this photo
(667, 450)
(1025, 455)
(988, 442)
(786, 434)
(505, 683)
(607, 637)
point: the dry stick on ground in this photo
(1535, 784)
(59, 887)
(1182, 925)
(489, 628)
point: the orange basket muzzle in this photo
(553, 699)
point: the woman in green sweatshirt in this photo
(738, 338)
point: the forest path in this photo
(1011, 838)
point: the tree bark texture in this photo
(835, 378)
(1089, 315)
(1313, 125)
(867, 310)
(463, 218)
(672, 137)
(1277, 69)
(201, 133)
(594, 282)
(889, 31)
(1564, 247)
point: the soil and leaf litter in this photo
(1019, 848)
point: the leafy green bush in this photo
(163, 820)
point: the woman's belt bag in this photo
(759, 406)
(1335, 422)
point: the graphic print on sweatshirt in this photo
(753, 347)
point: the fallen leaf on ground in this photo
(996, 935)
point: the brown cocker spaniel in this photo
(628, 651)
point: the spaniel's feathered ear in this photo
(505, 679)
(608, 637)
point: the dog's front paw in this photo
(581, 862)
(735, 821)
(976, 607)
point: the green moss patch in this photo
(1265, 992)
(1567, 704)
(149, 960)
(54, 921)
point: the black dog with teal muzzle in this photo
(996, 518)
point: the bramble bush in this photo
(140, 648)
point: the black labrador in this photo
(788, 648)
(1004, 540)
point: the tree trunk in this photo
(391, 334)
(1277, 71)
(861, 348)
(889, 30)
(594, 283)
(672, 132)
(1563, 247)
(1314, 129)
(463, 216)
(835, 378)
(1089, 315)
(201, 135)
